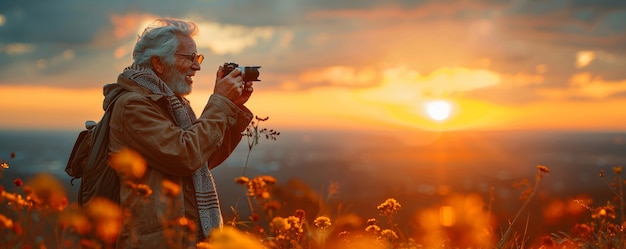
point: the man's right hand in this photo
(229, 86)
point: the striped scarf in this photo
(206, 195)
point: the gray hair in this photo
(160, 39)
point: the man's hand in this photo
(230, 86)
(245, 95)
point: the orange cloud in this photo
(130, 25)
(403, 85)
(340, 76)
(584, 85)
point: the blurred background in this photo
(414, 100)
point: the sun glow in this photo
(439, 110)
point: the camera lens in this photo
(250, 73)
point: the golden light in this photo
(439, 110)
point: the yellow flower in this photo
(371, 221)
(372, 229)
(388, 234)
(280, 224)
(389, 207)
(231, 238)
(322, 222)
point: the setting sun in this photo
(438, 110)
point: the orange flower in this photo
(107, 216)
(170, 188)
(5, 222)
(389, 234)
(203, 245)
(76, 220)
(48, 191)
(242, 180)
(128, 163)
(543, 169)
(617, 170)
(140, 189)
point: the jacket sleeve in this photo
(147, 128)
(232, 136)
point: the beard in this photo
(180, 86)
(177, 83)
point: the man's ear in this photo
(157, 64)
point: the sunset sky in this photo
(520, 64)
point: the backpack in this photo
(88, 160)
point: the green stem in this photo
(519, 212)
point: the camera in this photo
(248, 73)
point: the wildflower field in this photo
(36, 213)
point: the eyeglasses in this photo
(193, 57)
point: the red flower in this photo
(18, 182)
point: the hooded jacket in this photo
(141, 121)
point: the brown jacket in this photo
(141, 121)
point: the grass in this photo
(36, 214)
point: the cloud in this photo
(586, 86)
(404, 86)
(16, 48)
(225, 39)
(339, 76)
(583, 58)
